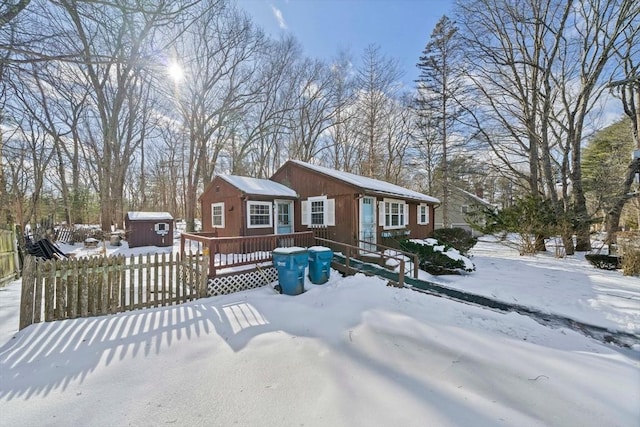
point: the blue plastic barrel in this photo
(320, 264)
(291, 264)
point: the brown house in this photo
(241, 206)
(356, 210)
(149, 229)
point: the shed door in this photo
(368, 223)
(284, 216)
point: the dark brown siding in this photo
(143, 233)
(235, 207)
(309, 183)
(218, 191)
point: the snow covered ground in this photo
(352, 352)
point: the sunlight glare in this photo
(175, 71)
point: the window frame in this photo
(328, 211)
(213, 207)
(401, 214)
(269, 206)
(422, 206)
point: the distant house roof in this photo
(472, 196)
(149, 216)
(370, 184)
(259, 187)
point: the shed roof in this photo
(149, 216)
(259, 187)
(370, 184)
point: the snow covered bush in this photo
(457, 237)
(438, 258)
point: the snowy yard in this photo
(352, 352)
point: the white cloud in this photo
(278, 14)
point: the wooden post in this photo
(60, 276)
(203, 278)
(27, 294)
(346, 259)
(72, 289)
(401, 274)
(83, 288)
(49, 290)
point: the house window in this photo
(259, 215)
(423, 214)
(464, 209)
(217, 215)
(394, 214)
(318, 212)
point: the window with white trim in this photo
(318, 212)
(394, 214)
(259, 214)
(217, 215)
(423, 214)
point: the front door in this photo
(368, 223)
(284, 216)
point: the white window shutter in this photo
(427, 216)
(406, 214)
(418, 214)
(381, 213)
(330, 207)
(305, 212)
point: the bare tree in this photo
(218, 54)
(315, 109)
(343, 152)
(265, 125)
(377, 85)
(538, 69)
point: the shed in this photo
(149, 229)
(233, 205)
(356, 210)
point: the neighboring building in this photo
(461, 203)
(241, 206)
(355, 209)
(149, 229)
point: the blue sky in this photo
(400, 27)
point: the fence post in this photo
(202, 277)
(28, 288)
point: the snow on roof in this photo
(370, 183)
(476, 198)
(256, 186)
(150, 216)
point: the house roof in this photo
(370, 184)
(259, 187)
(477, 199)
(149, 216)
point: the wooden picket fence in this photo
(8, 256)
(67, 289)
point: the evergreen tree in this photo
(439, 87)
(606, 173)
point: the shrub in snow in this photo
(630, 261)
(438, 258)
(457, 237)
